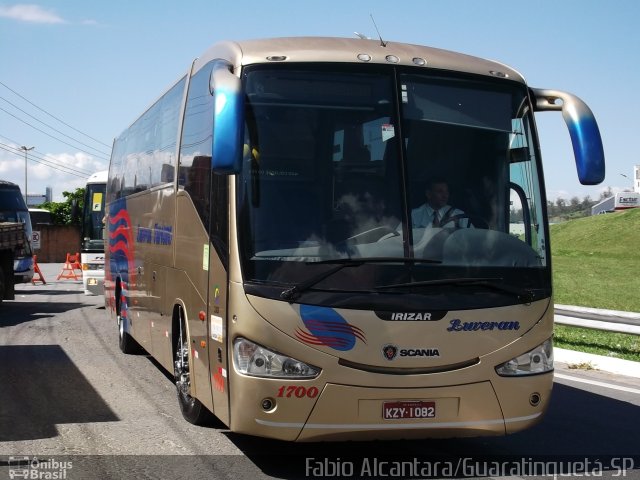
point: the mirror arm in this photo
(583, 129)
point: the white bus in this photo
(262, 244)
(40, 216)
(92, 247)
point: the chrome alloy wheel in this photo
(181, 368)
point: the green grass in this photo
(596, 263)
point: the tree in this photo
(62, 212)
(606, 194)
(562, 209)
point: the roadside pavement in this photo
(579, 360)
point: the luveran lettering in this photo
(158, 235)
(457, 325)
(162, 235)
(144, 235)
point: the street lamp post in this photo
(26, 149)
(623, 175)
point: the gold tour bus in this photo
(267, 243)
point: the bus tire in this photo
(2, 286)
(192, 409)
(125, 341)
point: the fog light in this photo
(267, 404)
(534, 399)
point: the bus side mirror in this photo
(228, 120)
(583, 129)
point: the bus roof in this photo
(99, 177)
(347, 50)
(8, 184)
(339, 50)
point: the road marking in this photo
(598, 384)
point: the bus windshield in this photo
(11, 203)
(14, 209)
(351, 165)
(40, 216)
(93, 218)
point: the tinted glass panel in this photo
(208, 192)
(93, 221)
(345, 164)
(144, 155)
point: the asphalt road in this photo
(71, 399)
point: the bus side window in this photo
(209, 192)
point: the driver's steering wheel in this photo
(455, 218)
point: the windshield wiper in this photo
(290, 294)
(523, 294)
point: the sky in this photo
(74, 74)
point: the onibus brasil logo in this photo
(40, 469)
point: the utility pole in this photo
(623, 175)
(26, 149)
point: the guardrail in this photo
(597, 319)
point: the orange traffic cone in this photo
(70, 265)
(36, 271)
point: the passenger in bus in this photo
(436, 211)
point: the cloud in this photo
(42, 176)
(554, 195)
(30, 13)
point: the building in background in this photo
(621, 200)
(34, 199)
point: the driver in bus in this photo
(436, 211)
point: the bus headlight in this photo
(538, 360)
(258, 361)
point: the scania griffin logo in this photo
(390, 351)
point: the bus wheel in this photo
(1, 284)
(125, 341)
(192, 409)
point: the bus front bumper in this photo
(93, 281)
(343, 412)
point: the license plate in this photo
(398, 410)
